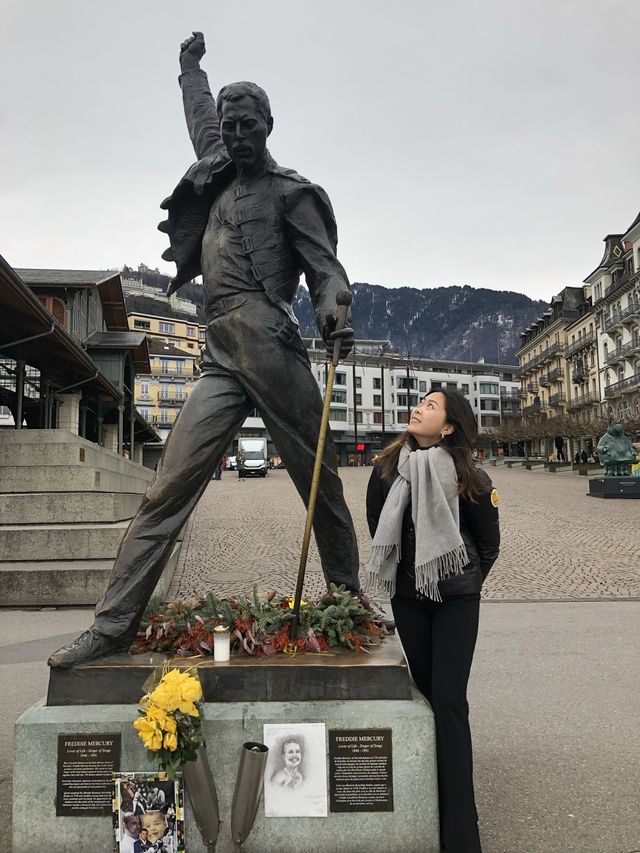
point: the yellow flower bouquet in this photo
(170, 721)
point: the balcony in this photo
(614, 356)
(173, 399)
(556, 375)
(143, 398)
(578, 375)
(630, 312)
(631, 347)
(581, 401)
(524, 394)
(544, 382)
(534, 409)
(170, 371)
(581, 343)
(620, 388)
(613, 321)
(532, 387)
(556, 399)
(619, 283)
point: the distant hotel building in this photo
(370, 401)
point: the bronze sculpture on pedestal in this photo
(250, 227)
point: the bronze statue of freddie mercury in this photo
(250, 228)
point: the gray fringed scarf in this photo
(428, 479)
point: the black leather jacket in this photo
(479, 528)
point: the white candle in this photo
(221, 643)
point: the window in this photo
(164, 392)
(358, 399)
(338, 396)
(145, 411)
(377, 417)
(164, 416)
(164, 365)
(191, 332)
(201, 334)
(489, 405)
(402, 416)
(402, 382)
(144, 388)
(402, 400)
(141, 324)
(377, 399)
(167, 328)
(465, 390)
(338, 415)
(488, 420)
(358, 417)
(179, 367)
(341, 379)
(435, 386)
(358, 381)
(423, 386)
(489, 388)
(376, 383)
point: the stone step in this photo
(70, 478)
(73, 508)
(51, 583)
(69, 453)
(48, 583)
(59, 541)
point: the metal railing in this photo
(556, 375)
(581, 343)
(625, 278)
(578, 374)
(556, 399)
(580, 401)
(618, 388)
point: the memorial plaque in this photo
(360, 770)
(86, 764)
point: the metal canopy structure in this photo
(40, 359)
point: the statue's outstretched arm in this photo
(199, 104)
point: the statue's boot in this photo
(377, 611)
(88, 646)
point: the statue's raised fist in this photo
(192, 50)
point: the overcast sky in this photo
(492, 142)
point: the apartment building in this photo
(374, 393)
(583, 362)
(542, 356)
(616, 305)
(161, 394)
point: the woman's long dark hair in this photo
(459, 444)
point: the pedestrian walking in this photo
(434, 520)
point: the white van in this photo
(252, 457)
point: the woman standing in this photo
(434, 521)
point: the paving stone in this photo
(556, 542)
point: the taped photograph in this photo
(148, 813)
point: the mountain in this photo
(456, 323)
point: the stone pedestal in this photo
(69, 412)
(411, 828)
(614, 487)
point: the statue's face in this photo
(244, 132)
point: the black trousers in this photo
(439, 639)
(253, 358)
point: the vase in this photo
(201, 790)
(253, 759)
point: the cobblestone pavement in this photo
(557, 543)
